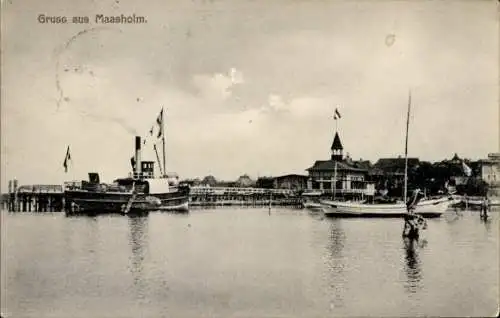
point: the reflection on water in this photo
(413, 266)
(241, 262)
(138, 241)
(336, 262)
(487, 223)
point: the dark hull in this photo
(90, 202)
(380, 216)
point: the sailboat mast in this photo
(163, 142)
(335, 181)
(406, 148)
(335, 169)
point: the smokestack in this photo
(137, 156)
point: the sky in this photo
(247, 86)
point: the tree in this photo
(265, 182)
(209, 180)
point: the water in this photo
(246, 263)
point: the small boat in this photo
(415, 225)
(494, 202)
(311, 200)
(474, 203)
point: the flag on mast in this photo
(159, 121)
(467, 169)
(67, 158)
(336, 114)
(132, 162)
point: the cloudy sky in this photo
(248, 86)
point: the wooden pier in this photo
(33, 198)
(50, 198)
(248, 197)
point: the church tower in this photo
(337, 148)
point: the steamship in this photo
(139, 193)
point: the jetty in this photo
(33, 198)
(50, 198)
(248, 196)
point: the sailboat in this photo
(426, 208)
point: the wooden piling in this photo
(35, 198)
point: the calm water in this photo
(246, 263)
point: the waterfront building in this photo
(490, 169)
(455, 167)
(291, 181)
(490, 173)
(340, 176)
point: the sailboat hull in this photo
(428, 208)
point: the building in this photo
(339, 176)
(291, 181)
(456, 170)
(490, 169)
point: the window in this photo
(338, 184)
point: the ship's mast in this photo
(163, 142)
(406, 148)
(158, 160)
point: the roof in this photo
(395, 163)
(337, 145)
(488, 161)
(322, 165)
(363, 164)
(494, 155)
(291, 176)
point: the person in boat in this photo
(413, 222)
(410, 228)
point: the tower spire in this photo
(337, 145)
(337, 148)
